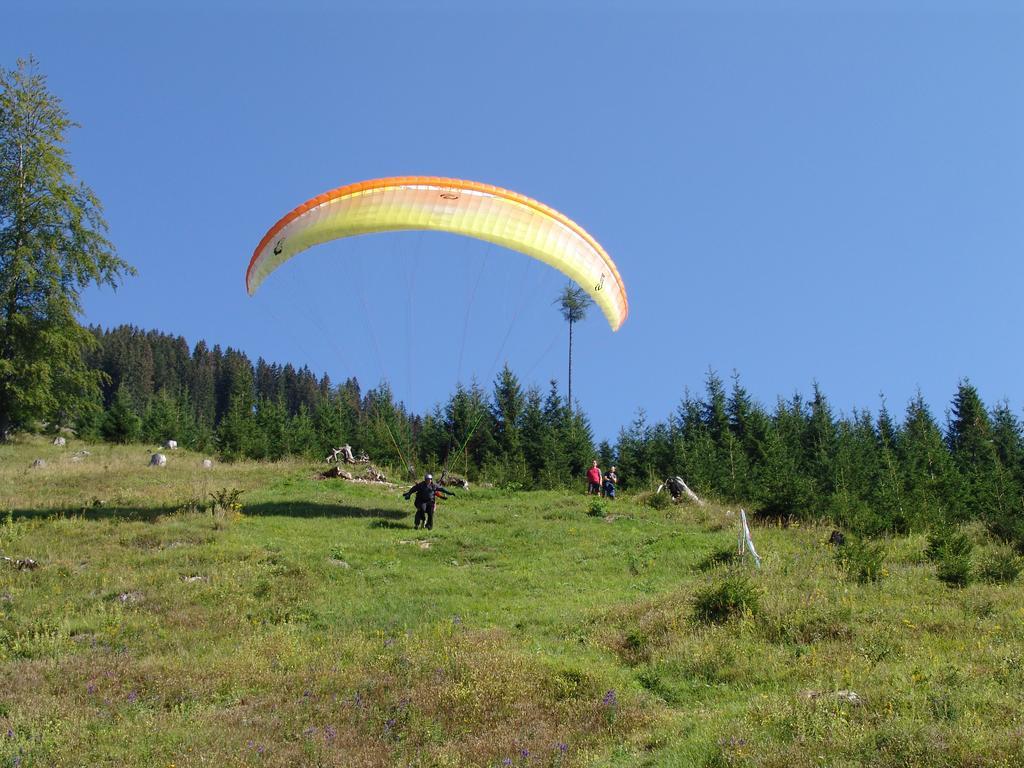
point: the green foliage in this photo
(734, 595)
(946, 541)
(226, 500)
(121, 425)
(653, 500)
(718, 558)
(597, 508)
(954, 571)
(861, 559)
(1000, 566)
(950, 549)
(800, 462)
(52, 247)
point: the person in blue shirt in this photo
(611, 479)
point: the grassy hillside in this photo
(316, 627)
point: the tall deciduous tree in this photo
(52, 246)
(574, 303)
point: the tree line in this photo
(869, 472)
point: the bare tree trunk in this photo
(570, 367)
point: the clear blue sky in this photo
(792, 192)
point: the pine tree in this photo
(509, 462)
(162, 420)
(301, 434)
(121, 424)
(930, 481)
(970, 442)
(535, 435)
(1008, 440)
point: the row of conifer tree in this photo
(798, 459)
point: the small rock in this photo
(27, 564)
(207, 463)
(83, 452)
(39, 464)
(60, 442)
(193, 579)
(338, 563)
(157, 460)
(130, 598)
(426, 545)
(850, 697)
(171, 445)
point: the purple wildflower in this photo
(357, 699)
(329, 732)
(306, 694)
(90, 689)
(310, 731)
(562, 747)
(610, 699)
(10, 733)
(16, 761)
(260, 749)
(250, 743)
(133, 697)
(524, 753)
(507, 761)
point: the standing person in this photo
(427, 492)
(611, 480)
(594, 479)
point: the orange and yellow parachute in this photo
(468, 208)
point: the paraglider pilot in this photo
(427, 492)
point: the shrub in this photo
(950, 549)
(225, 506)
(724, 556)
(954, 570)
(1001, 566)
(658, 501)
(733, 596)
(947, 542)
(861, 559)
(596, 509)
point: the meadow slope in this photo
(316, 627)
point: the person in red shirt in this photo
(594, 479)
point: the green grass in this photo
(317, 627)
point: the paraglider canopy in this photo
(469, 208)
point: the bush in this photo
(724, 556)
(658, 500)
(861, 559)
(596, 509)
(1001, 566)
(944, 543)
(954, 571)
(733, 596)
(950, 549)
